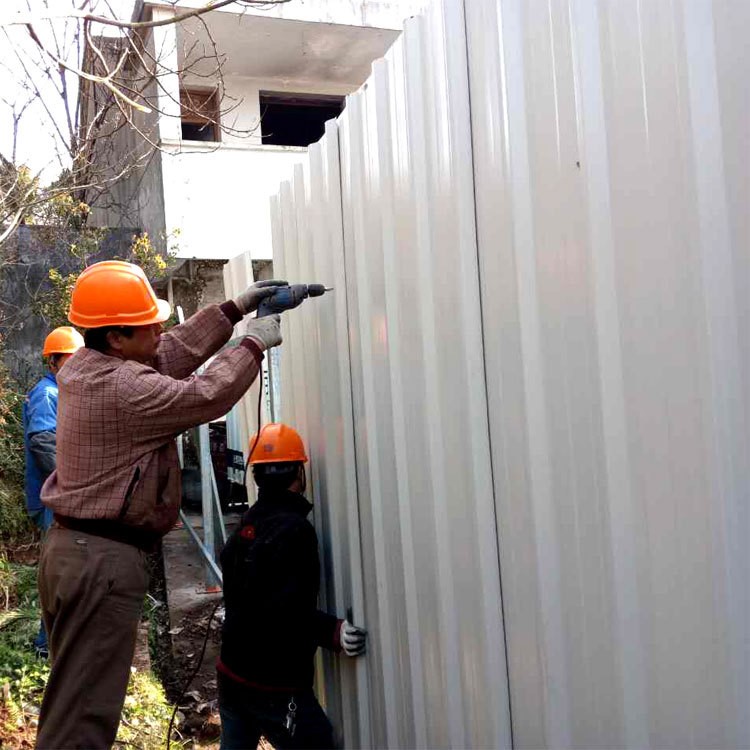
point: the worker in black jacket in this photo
(272, 625)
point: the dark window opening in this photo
(296, 119)
(199, 115)
(194, 132)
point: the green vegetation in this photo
(14, 523)
(53, 303)
(22, 675)
(145, 716)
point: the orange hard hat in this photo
(278, 443)
(115, 293)
(63, 340)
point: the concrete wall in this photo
(149, 199)
(36, 251)
(193, 284)
(138, 198)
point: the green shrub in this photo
(20, 669)
(15, 525)
(14, 522)
(146, 714)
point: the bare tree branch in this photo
(103, 98)
(103, 80)
(31, 79)
(17, 109)
(105, 21)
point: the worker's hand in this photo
(353, 639)
(249, 300)
(265, 332)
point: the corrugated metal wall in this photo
(378, 371)
(612, 164)
(534, 370)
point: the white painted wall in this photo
(241, 96)
(217, 195)
(219, 200)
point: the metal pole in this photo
(209, 499)
(274, 382)
(211, 563)
(180, 449)
(217, 505)
(207, 504)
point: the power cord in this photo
(214, 610)
(257, 434)
(193, 675)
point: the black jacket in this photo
(271, 571)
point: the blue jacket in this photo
(39, 427)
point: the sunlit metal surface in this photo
(533, 371)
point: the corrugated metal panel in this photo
(539, 335)
(317, 400)
(618, 394)
(407, 300)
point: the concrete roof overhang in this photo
(267, 47)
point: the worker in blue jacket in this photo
(39, 428)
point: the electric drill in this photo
(289, 297)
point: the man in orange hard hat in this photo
(124, 398)
(39, 414)
(273, 627)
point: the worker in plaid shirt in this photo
(123, 399)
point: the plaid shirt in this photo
(118, 419)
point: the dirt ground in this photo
(21, 737)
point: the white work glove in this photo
(265, 332)
(249, 300)
(353, 639)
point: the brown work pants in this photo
(91, 591)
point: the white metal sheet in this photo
(612, 346)
(533, 371)
(407, 326)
